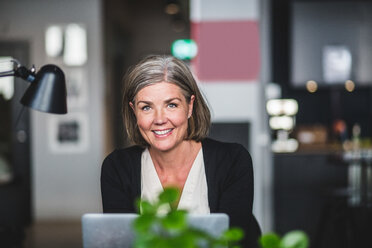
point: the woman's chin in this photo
(163, 146)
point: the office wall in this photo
(65, 183)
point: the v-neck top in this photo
(194, 197)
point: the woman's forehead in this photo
(161, 89)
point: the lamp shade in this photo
(47, 93)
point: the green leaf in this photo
(174, 220)
(183, 240)
(233, 234)
(144, 240)
(269, 240)
(197, 233)
(160, 242)
(295, 239)
(144, 222)
(169, 195)
(147, 208)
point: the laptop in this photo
(115, 230)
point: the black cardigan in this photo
(229, 173)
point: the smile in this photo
(162, 132)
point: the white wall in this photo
(65, 185)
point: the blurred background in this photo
(291, 80)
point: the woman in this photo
(168, 120)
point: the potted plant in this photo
(172, 230)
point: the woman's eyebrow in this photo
(172, 99)
(144, 102)
(166, 101)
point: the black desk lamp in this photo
(47, 92)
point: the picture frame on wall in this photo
(337, 63)
(69, 133)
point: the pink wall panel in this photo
(227, 50)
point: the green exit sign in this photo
(184, 49)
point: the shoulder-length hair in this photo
(155, 69)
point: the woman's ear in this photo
(191, 106)
(132, 106)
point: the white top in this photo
(194, 196)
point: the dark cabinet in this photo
(305, 185)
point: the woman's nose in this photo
(160, 117)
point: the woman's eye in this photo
(172, 105)
(145, 108)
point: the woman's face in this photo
(162, 114)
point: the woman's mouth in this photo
(162, 132)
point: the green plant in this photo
(172, 230)
(292, 239)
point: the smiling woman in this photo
(168, 120)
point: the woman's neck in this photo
(173, 166)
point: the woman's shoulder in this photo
(212, 144)
(128, 154)
(226, 157)
(220, 151)
(120, 171)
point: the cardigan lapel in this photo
(137, 173)
(210, 172)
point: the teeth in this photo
(162, 132)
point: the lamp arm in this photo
(7, 73)
(11, 73)
(20, 71)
